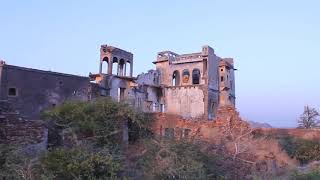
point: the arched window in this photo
(103, 68)
(128, 68)
(196, 76)
(115, 66)
(185, 76)
(176, 78)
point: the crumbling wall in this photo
(149, 85)
(152, 78)
(197, 128)
(308, 134)
(15, 130)
(147, 98)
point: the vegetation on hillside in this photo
(86, 143)
(170, 159)
(303, 150)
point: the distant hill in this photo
(259, 125)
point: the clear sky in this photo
(275, 44)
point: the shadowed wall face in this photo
(31, 91)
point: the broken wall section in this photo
(148, 92)
(16, 130)
(170, 125)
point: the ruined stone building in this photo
(190, 85)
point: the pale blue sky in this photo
(275, 43)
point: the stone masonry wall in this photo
(38, 90)
(188, 101)
(191, 128)
(15, 130)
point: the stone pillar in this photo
(118, 69)
(100, 68)
(121, 67)
(110, 64)
(131, 69)
(125, 69)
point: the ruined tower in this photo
(117, 61)
(191, 82)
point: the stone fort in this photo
(192, 86)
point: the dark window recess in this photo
(187, 132)
(196, 76)
(221, 79)
(169, 133)
(12, 92)
(185, 76)
(186, 72)
(221, 70)
(178, 132)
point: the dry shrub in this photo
(170, 159)
(255, 156)
(271, 160)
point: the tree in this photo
(237, 134)
(309, 118)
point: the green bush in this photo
(97, 128)
(311, 175)
(81, 163)
(301, 149)
(101, 120)
(16, 163)
(168, 159)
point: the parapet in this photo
(166, 56)
(183, 58)
(110, 52)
